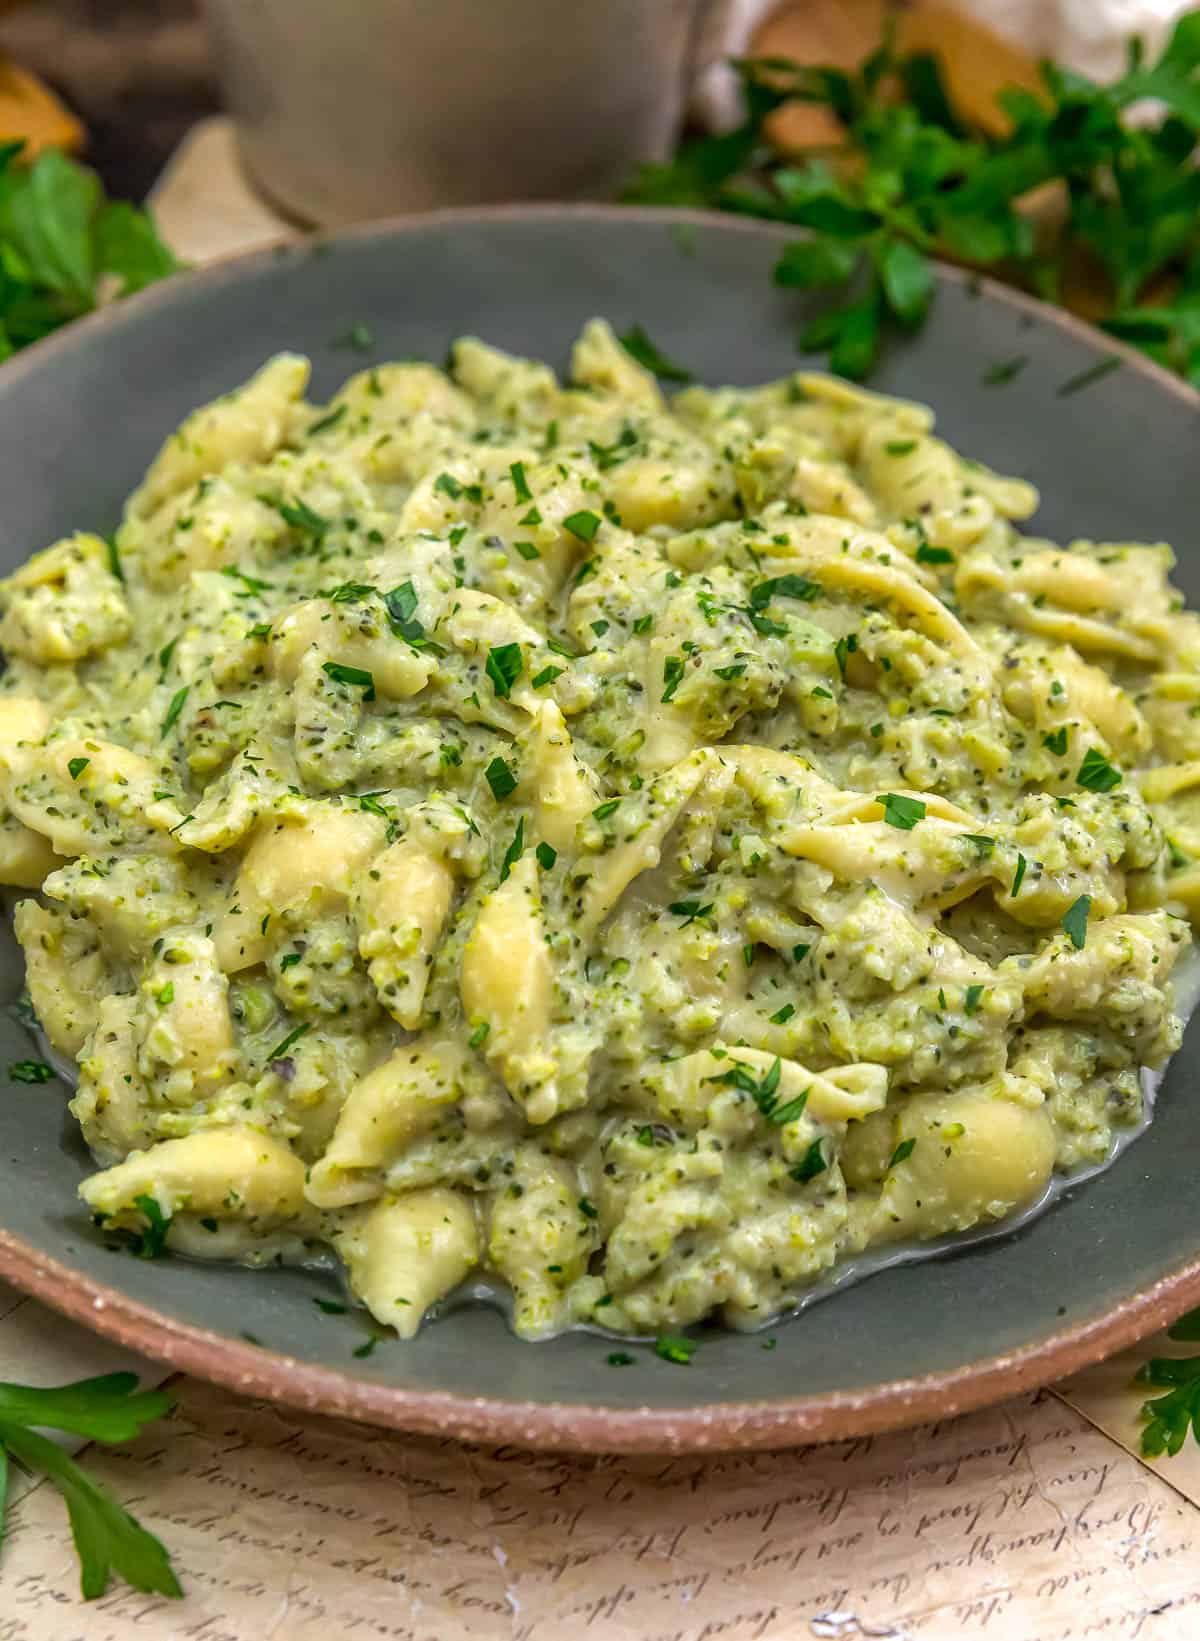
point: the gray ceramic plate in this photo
(82, 415)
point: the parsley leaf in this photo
(514, 851)
(917, 177)
(30, 1071)
(1018, 875)
(1170, 1417)
(1096, 773)
(672, 676)
(638, 345)
(812, 1163)
(107, 1409)
(934, 555)
(516, 473)
(676, 1347)
(175, 708)
(902, 1152)
(900, 811)
(1056, 741)
(299, 516)
(293, 1037)
(505, 664)
(500, 778)
(1075, 921)
(582, 525)
(354, 677)
(690, 910)
(783, 586)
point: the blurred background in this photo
(125, 80)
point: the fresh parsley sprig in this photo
(914, 180)
(64, 246)
(1169, 1417)
(106, 1409)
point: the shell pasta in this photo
(646, 852)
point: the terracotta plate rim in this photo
(566, 1426)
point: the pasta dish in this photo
(646, 853)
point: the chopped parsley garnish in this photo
(514, 851)
(301, 518)
(114, 557)
(902, 1152)
(30, 1071)
(359, 338)
(165, 654)
(676, 1347)
(810, 1165)
(637, 345)
(690, 910)
(900, 811)
(351, 592)
(783, 1015)
(1018, 876)
(546, 676)
(729, 673)
(619, 1358)
(582, 525)
(76, 767)
(454, 488)
(934, 555)
(165, 995)
(479, 1036)
(175, 708)
(290, 1041)
(1075, 921)
(526, 549)
(972, 998)
(546, 856)
(610, 455)
(1005, 370)
(500, 778)
(1056, 741)
(588, 1209)
(152, 1241)
(1085, 378)
(843, 649)
(354, 677)
(329, 1307)
(800, 951)
(900, 447)
(505, 664)
(643, 623)
(401, 604)
(252, 583)
(672, 676)
(516, 473)
(764, 1090)
(328, 421)
(783, 586)
(289, 960)
(609, 807)
(1096, 773)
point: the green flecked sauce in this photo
(649, 855)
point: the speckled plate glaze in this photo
(1116, 456)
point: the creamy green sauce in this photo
(652, 857)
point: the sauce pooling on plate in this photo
(653, 857)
